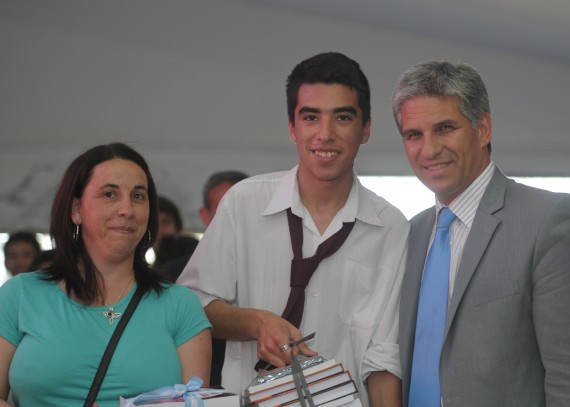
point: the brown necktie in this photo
(302, 269)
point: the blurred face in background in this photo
(214, 197)
(19, 257)
(166, 227)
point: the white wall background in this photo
(198, 86)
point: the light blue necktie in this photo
(430, 324)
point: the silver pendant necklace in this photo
(110, 314)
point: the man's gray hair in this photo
(441, 79)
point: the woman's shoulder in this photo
(31, 286)
(30, 279)
(177, 291)
(175, 301)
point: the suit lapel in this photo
(482, 230)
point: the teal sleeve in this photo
(10, 293)
(190, 318)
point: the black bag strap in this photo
(106, 359)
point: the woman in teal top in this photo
(55, 324)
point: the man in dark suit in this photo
(506, 329)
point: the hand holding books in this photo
(261, 366)
(274, 335)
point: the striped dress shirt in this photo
(464, 208)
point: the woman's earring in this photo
(149, 238)
(76, 233)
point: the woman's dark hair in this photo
(68, 252)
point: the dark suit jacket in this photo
(507, 334)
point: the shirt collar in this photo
(358, 205)
(465, 205)
(286, 195)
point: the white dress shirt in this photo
(352, 300)
(464, 207)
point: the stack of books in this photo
(327, 382)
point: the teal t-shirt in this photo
(60, 342)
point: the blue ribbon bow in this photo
(190, 392)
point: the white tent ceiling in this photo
(198, 85)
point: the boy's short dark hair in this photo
(328, 68)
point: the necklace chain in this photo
(110, 313)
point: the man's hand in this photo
(273, 332)
(269, 330)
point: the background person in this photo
(505, 336)
(241, 269)
(173, 248)
(169, 220)
(214, 190)
(56, 324)
(19, 252)
(43, 260)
